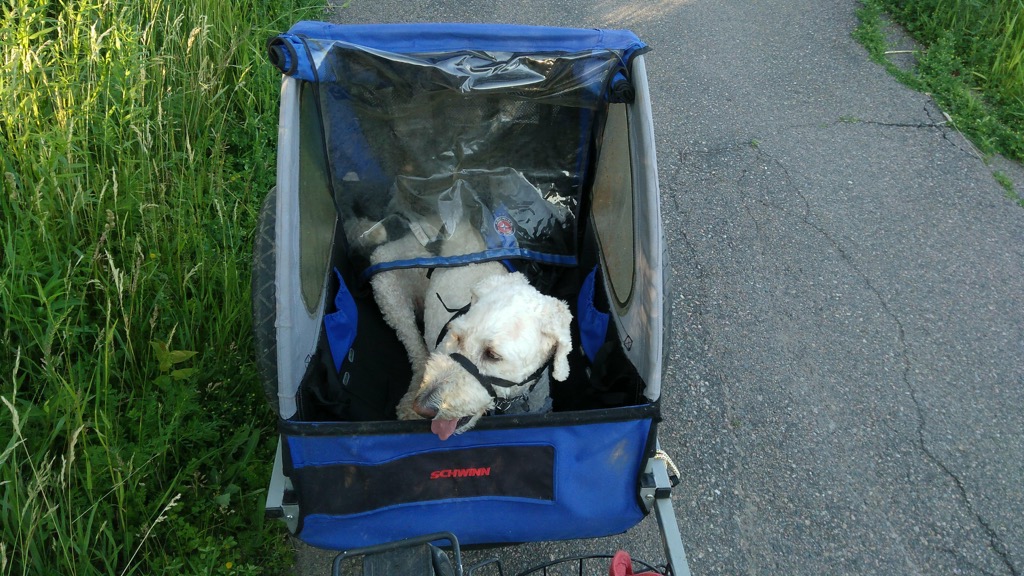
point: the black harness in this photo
(456, 312)
(501, 405)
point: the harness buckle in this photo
(503, 405)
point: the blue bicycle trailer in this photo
(543, 138)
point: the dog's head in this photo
(510, 332)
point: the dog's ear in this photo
(556, 325)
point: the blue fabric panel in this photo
(592, 322)
(341, 324)
(349, 153)
(484, 256)
(444, 37)
(595, 480)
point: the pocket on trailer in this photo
(461, 473)
(514, 479)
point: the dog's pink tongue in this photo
(443, 428)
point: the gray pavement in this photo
(846, 387)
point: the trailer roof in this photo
(443, 37)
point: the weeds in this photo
(973, 64)
(137, 141)
(1007, 185)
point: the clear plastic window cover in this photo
(420, 144)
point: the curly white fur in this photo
(509, 332)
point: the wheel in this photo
(264, 299)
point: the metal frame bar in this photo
(280, 486)
(656, 494)
(408, 542)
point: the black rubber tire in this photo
(264, 299)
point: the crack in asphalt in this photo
(762, 160)
(898, 124)
(710, 380)
(995, 542)
(673, 195)
(945, 127)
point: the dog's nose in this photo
(425, 411)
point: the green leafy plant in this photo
(168, 359)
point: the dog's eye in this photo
(491, 355)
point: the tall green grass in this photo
(987, 34)
(136, 141)
(973, 62)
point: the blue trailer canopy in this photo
(431, 126)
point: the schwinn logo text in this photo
(460, 473)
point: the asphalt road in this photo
(846, 387)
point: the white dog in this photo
(489, 338)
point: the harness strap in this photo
(490, 382)
(456, 313)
